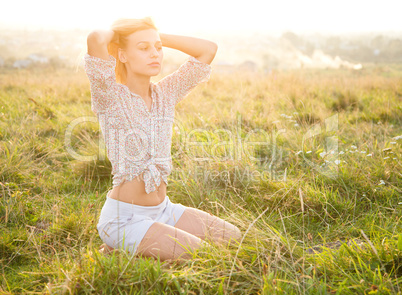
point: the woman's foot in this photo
(105, 249)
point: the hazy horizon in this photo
(262, 34)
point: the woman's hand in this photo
(201, 49)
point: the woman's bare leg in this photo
(207, 226)
(194, 225)
(168, 242)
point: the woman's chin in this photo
(154, 72)
(148, 72)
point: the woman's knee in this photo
(231, 233)
(236, 234)
(208, 227)
(221, 231)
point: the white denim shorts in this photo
(123, 225)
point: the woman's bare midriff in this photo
(133, 192)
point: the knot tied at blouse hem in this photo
(152, 175)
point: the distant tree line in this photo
(376, 49)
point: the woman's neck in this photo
(139, 84)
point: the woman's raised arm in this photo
(97, 42)
(201, 49)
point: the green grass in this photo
(288, 197)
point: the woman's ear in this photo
(122, 55)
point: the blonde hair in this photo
(122, 28)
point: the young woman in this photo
(136, 117)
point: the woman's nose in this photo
(155, 52)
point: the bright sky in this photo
(207, 16)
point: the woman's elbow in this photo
(210, 53)
(94, 37)
(213, 49)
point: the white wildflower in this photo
(286, 116)
(382, 182)
(369, 155)
(354, 147)
(341, 152)
(322, 154)
(309, 152)
(393, 142)
(337, 162)
(397, 137)
(386, 158)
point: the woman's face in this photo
(143, 54)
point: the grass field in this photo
(296, 159)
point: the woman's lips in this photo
(154, 64)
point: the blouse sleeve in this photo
(178, 84)
(102, 77)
